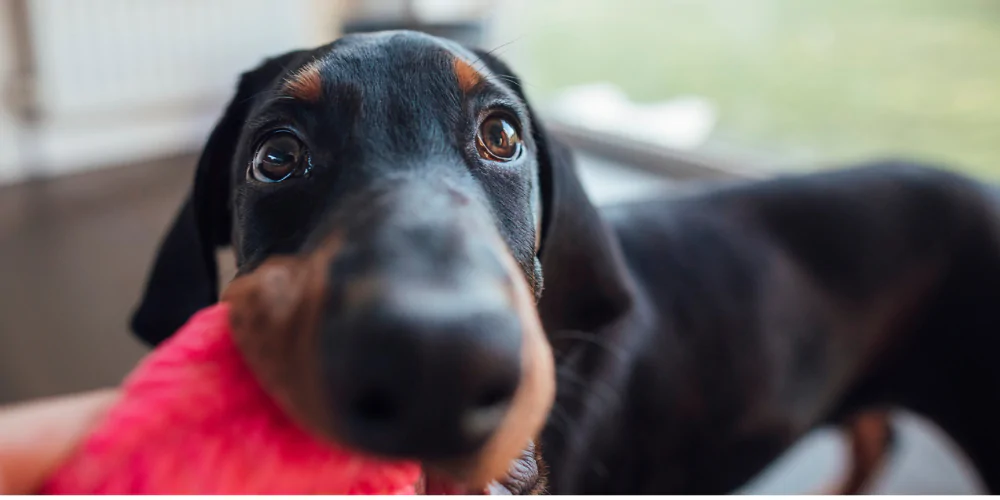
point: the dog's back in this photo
(760, 311)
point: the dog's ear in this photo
(184, 277)
(584, 274)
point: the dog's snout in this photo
(426, 372)
(403, 333)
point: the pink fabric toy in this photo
(193, 420)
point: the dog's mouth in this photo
(523, 477)
(437, 485)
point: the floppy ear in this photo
(586, 284)
(184, 277)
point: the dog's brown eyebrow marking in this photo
(466, 75)
(305, 84)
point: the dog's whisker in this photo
(497, 51)
(598, 387)
(565, 426)
(506, 44)
(604, 398)
(592, 339)
(254, 96)
(514, 81)
(579, 386)
(491, 53)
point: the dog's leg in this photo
(870, 438)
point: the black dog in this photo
(696, 338)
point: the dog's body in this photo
(697, 337)
(751, 314)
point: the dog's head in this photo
(387, 198)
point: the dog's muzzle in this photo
(406, 330)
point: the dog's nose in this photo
(427, 371)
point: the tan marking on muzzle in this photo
(532, 401)
(275, 314)
(305, 84)
(466, 75)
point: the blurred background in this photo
(104, 105)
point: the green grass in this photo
(809, 81)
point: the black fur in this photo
(697, 337)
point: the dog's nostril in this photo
(487, 411)
(425, 372)
(375, 407)
(495, 395)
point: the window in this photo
(790, 84)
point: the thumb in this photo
(36, 437)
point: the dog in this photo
(414, 253)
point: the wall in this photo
(118, 81)
(9, 153)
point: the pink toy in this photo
(193, 420)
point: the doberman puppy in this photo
(404, 230)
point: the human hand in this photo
(36, 436)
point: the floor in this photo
(74, 254)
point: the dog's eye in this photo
(498, 139)
(278, 157)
